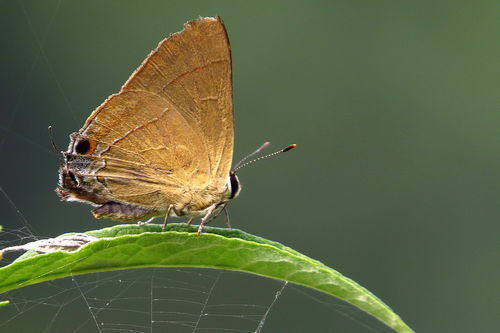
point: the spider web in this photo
(168, 300)
(156, 299)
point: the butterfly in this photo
(163, 145)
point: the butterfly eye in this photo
(82, 147)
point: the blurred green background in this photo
(394, 106)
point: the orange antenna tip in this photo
(289, 147)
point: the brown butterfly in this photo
(163, 145)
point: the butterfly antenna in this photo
(51, 138)
(261, 148)
(284, 150)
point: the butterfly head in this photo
(234, 184)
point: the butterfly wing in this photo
(192, 69)
(165, 138)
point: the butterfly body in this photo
(163, 145)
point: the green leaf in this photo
(134, 246)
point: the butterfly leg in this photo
(217, 211)
(165, 221)
(190, 221)
(228, 220)
(145, 222)
(206, 218)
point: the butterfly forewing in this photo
(191, 70)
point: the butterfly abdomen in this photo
(124, 212)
